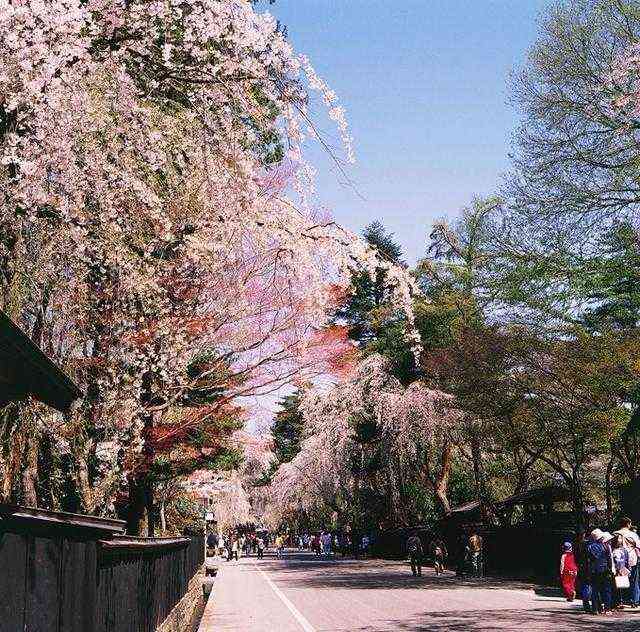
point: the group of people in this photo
(470, 560)
(234, 545)
(604, 568)
(327, 543)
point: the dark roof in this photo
(25, 370)
(538, 495)
(548, 494)
(31, 517)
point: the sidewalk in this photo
(244, 599)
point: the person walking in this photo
(212, 544)
(364, 545)
(475, 553)
(439, 553)
(234, 549)
(583, 579)
(415, 553)
(326, 543)
(260, 547)
(600, 570)
(632, 545)
(621, 570)
(568, 571)
(279, 546)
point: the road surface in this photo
(304, 593)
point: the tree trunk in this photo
(476, 456)
(577, 500)
(607, 489)
(136, 506)
(163, 518)
(30, 473)
(442, 480)
(151, 516)
(80, 448)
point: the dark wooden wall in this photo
(137, 588)
(59, 580)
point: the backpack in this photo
(598, 557)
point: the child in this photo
(568, 572)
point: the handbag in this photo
(622, 581)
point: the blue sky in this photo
(424, 83)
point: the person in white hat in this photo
(632, 546)
(600, 565)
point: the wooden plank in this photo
(13, 562)
(43, 585)
(144, 543)
(78, 603)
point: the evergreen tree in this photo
(373, 320)
(287, 428)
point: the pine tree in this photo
(373, 320)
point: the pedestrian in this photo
(344, 544)
(260, 547)
(279, 545)
(583, 577)
(222, 548)
(212, 544)
(326, 543)
(600, 570)
(475, 554)
(234, 549)
(568, 571)
(415, 553)
(621, 570)
(632, 545)
(364, 545)
(439, 553)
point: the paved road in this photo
(302, 593)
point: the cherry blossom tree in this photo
(412, 428)
(146, 152)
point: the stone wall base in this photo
(180, 617)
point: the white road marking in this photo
(304, 624)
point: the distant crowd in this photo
(234, 545)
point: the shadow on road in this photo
(374, 574)
(490, 620)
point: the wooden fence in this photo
(68, 573)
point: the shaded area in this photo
(512, 619)
(304, 571)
